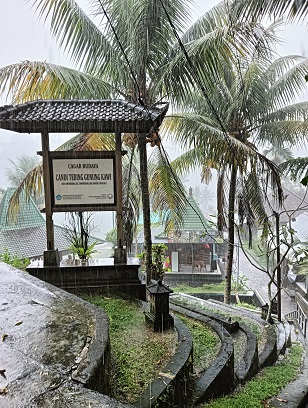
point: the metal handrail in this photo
(300, 317)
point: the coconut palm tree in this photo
(255, 101)
(126, 56)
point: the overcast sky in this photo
(24, 37)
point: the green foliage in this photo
(83, 253)
(137, 353)
(239, 284)
(158, 259)
(111, 236)
(78, 233)
(267, 384)
(258, 252)
(206, 343)
(19, 263)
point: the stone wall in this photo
(93, 278)
(54, 346)
(193, 279)
(172, 388)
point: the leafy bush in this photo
(19, 263)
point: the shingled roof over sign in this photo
(102, 116)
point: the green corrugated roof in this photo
(193, 218)
(28, 216)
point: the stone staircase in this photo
(261, 343)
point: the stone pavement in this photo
(52, 345)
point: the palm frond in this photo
(200, 133)
(293, 132)
(258, 9)
(131, 196)
(290, 82)
(28, 80)
(251, 204)
(295, 168)
(31, 185)
(168, 196)
(78, 35)
(90, 141)
(215, 41)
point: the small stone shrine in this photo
(159, 317)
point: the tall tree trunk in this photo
(142, 145)
(231, 233)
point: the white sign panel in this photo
(80, 181)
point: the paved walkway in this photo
(258, 282)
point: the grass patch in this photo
(206, 343)
(215, 287)
(137, 353)
(206, 288)
(267, 384)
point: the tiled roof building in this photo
(29, 215)
(27, 236)
(194, 226)
(193, 218)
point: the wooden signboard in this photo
(83, 181)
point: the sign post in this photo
(120, 255)
(51, 256)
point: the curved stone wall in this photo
(221, 371)
(249, 365)
(55, 352)
(52, 346)
(172, 387)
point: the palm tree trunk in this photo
(142, 145)
(231, 233)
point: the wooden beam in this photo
(47, 191)
(118, 155)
